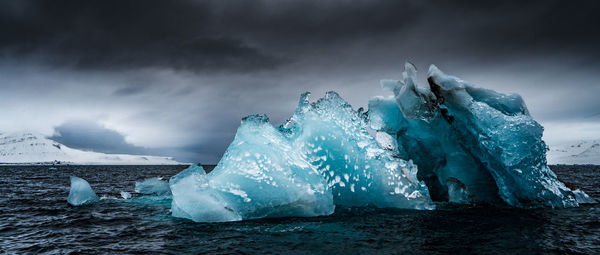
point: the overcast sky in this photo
(176, 77)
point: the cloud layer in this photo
(180, 75)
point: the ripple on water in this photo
(35, 218)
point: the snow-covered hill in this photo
(578, 152)
(31, 148)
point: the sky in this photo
(175, 78)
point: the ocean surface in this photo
(35, 218)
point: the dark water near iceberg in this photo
(35, 218)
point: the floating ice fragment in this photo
(125, 195)
(457, 191)
(583, 198)
(81, 193)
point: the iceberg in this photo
(449, 141)
(81, 193)
(468, 140)
(153, 186)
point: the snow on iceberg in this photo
(153, 186)
(463, 136)
(81, 193)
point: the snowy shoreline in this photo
(26, 148)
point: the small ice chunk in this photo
(125, 195)
(81, 193)
(153, 186)
(457, 191)
(583, 198)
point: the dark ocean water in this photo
(35, 218)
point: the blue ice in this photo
(260, 175)
(471, 140)
(81, 193)
(449, 141)
(358, 170)
(322, 157)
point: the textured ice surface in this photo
(195, 200)
(485, 140)
(471, 145)
(322, 157)
(260, 175)
(81, 193)
(356, 168)
(153, 186)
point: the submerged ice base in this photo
(81, 193)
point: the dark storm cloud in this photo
(130, 34)
(191, 69)
(251, 35)
(184, 34)
(88, 135)
(520, 28)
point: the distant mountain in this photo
(31, 148)
(578, 152)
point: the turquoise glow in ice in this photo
(485, 140)
(322, 157)
(261, 175)
(359, 172)
(470, 144)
